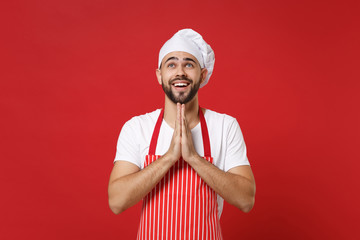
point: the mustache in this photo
(181, 78)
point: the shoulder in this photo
(221, 123)
(217, 118)
(146, 118)
(141, 123)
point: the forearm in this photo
(235, 189)
(128, 190)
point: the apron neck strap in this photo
(204, 132)
(155, 134)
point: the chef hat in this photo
(187, 40)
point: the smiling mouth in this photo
(181, 85)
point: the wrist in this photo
(193, 158)
(170, 157)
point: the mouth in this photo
(181, 84)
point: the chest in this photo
(217, 143)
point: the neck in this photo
(191, 112)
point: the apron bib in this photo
(182, 205)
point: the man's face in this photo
(180, 76)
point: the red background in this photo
(72, 72)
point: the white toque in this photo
(187, 40)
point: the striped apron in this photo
(182, 205)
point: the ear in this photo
(204, 73)
(158, 75)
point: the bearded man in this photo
(183, 161)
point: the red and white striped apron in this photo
(182, 205)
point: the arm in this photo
(237, 186)
(128, 185)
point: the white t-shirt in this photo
(226, 141)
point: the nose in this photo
(180, 71)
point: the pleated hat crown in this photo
(187, 40)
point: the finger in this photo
(183, 119)
(178, 119)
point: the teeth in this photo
(180, 84)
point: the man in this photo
(182, 160)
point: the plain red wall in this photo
(72, 72)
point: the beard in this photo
(182, 97)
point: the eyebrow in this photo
(175, 58)
(171, 58)
(189, 59)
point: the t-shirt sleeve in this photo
(236, 148)
(127, 146)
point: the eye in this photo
(171, 65)
(189, 65)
